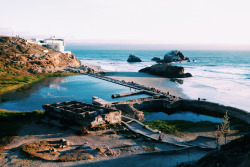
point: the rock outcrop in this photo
(166, 70)
(20, 56)
(156, 59)
(173, 56)
(133, 58)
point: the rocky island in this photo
(172, 56)
(133, 58)
(166, 70)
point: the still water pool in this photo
(181, 115)
(59, 89)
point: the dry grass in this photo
(75, 155)
(150, 148)
(40, 150)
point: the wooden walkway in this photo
(148, 90)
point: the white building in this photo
(53, 43)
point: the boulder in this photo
(156, 59)
(133, 58)
(173, 56)
(166, 70)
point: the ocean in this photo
(218, 76)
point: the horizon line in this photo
(160, 46)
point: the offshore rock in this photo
(133, 58)
(173, 56)
(156, 59)
(166, 70)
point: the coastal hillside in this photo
(21, 56)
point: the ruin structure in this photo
(83, 114)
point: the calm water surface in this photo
(186, 116)
(59, 89)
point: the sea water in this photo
(218, 76)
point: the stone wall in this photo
(210, 108)
(83, 113)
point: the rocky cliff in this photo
(166, 70)
(18, 56)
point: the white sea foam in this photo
(121, 66)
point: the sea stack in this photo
(173, 56)
(133, 58)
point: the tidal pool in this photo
(52, 90)
(181, 115)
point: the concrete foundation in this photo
(82, 113)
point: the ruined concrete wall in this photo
(113, 117)
(109, 118)
(83, 113)
(129, 110)
(215, 108)
(202, 107)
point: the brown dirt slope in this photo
(18, 56)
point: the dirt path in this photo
(31, 132)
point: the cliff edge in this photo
(19, 56)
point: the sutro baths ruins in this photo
(104, 112)
(83, 114)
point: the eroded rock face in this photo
(166, 70)
(173, 56)
(133, 58)
(21, 56)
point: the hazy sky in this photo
(130, 21)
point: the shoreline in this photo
(148, 80)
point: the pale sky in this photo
(130, 21)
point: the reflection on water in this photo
(28, 90)
(53, 90)
(181, 115)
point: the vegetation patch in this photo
(12, 82)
